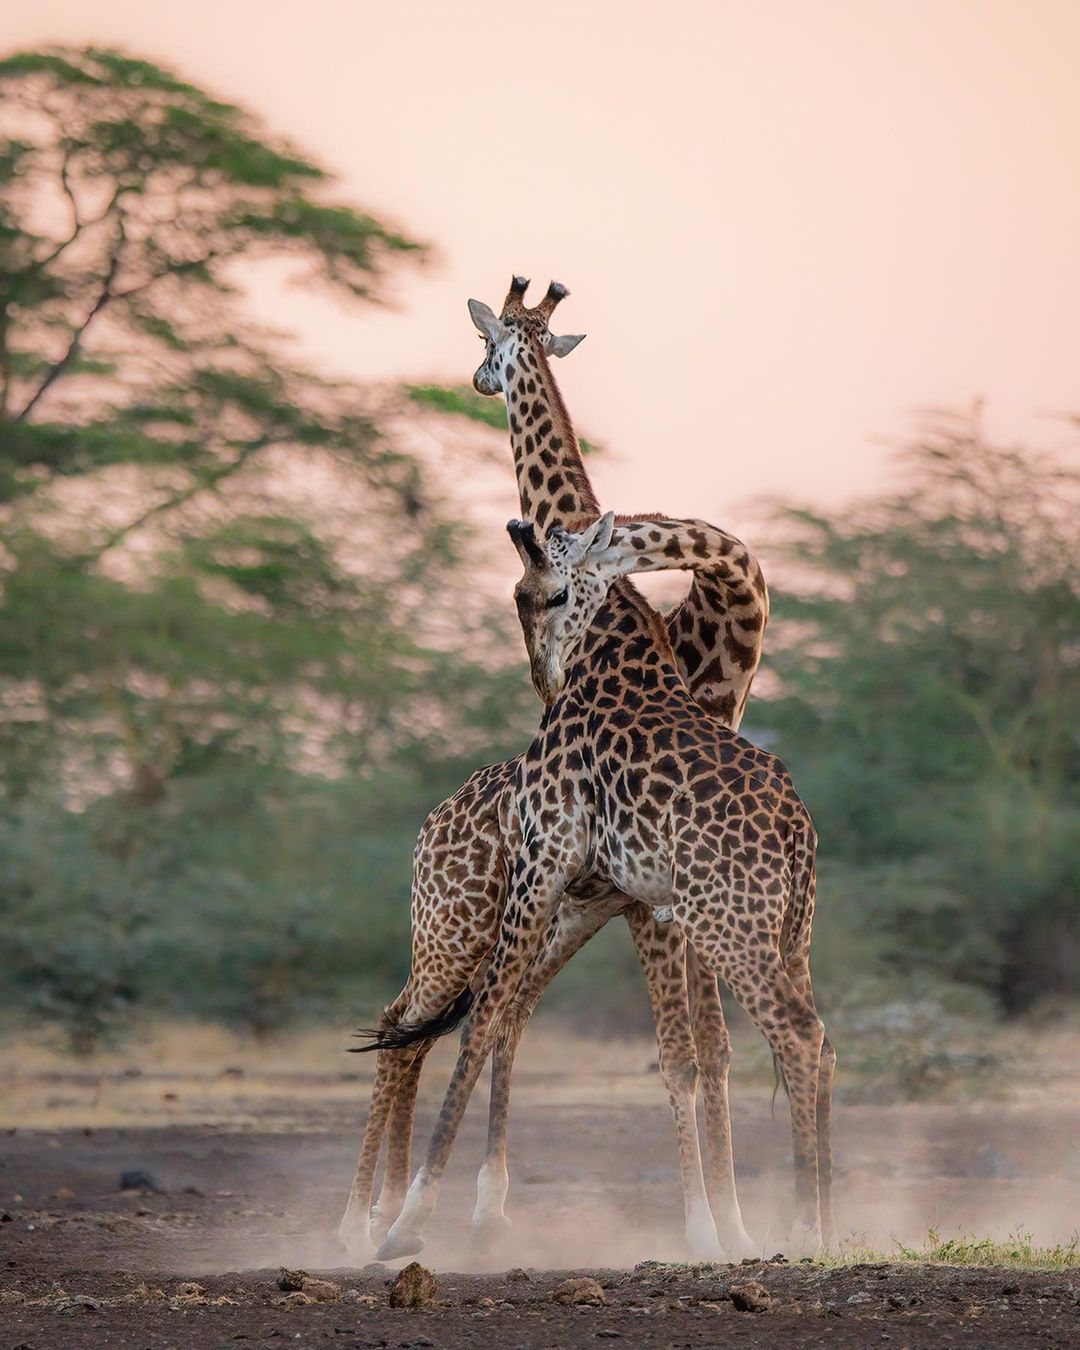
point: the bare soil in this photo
(192, 1256)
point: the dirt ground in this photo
(246, 1166)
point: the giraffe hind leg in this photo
(714, 1058)
(826, 1073)
(353, 1229)
(790, 1024)
(755, 974)
(798, 967)
(421, 1002)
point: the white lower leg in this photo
(406, 1232)
(701, 1239)
(701, 1236)
(384, 1211)
(492, 1184)
(352, 1231)
(734, 1238)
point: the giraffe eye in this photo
(559, 598)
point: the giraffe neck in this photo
(625, 630)
(718, 630)
(553, 486)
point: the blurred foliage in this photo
(462, 401)
(243, 895)
(929, 676)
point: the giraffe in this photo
(459, 888)
(629, 777)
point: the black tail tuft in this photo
(408, 1033)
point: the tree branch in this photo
(78, 224)
(205, 483)
(6, 372)
(178, 269)
(105, 295)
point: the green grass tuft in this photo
(1017, 1252)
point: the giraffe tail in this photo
(408, 1033)
(779, 1081)
(799, 917)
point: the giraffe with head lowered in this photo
(630, 778)
(460, 864)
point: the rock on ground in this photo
(582, 1290)
(750, 1297)
(415, 1287)
(315, 1289)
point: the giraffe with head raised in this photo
(717, 634)
(459, 871)
(629, 777)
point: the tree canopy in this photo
(210, 548)
(929, 690)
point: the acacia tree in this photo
(929, 678)
(207, 548)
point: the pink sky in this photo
(785, 224)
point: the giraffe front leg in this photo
(523, 927)
(574, 924)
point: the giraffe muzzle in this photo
(485, 383)
(549, 679)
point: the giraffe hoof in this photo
(489, 1228)
(379, 1225)
(399, 1244)
(701, 1240)
(706, 1254)
(353, 1238)
(357, 1247)
(738, 1246)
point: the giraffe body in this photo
(630, 779)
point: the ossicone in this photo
(523, 534)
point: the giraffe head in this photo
(566, 579)
(516, 330)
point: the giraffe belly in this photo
(646, 878)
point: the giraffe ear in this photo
(561, 346)
(594, 539)
(483, 316)
(604, 528)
